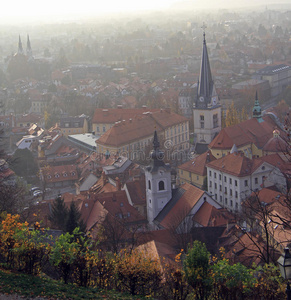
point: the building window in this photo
(231, 203)
(214, 174)
(104, 129)
(210, 183)
(246, 182)
(235, 182)
(220, 198)
(161, 186)
(197, 177)
(230, 181)
(215, 185)
(230, 192)
(256, 180)
(201, 121)
(97, 128)
(236, 206)
(220, 187)
(219, 176)
(225, 190)
(149, 185)
(236, 194)
(67, 125)
(215, 120)
(210, 174)
(215, 196)
(225, 201)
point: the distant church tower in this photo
(206, 109)
(28, 49)
(158, 182)
(20, 48)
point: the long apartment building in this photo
(131, 137)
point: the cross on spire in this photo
(204, 27)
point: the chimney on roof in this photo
(105, 112)
(103, 178)
(144, 107)
(119, 106)
(118, 184)
(130, 120)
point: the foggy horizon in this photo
(19, 12)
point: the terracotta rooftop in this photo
(236, 164)
(198, 164)
(183, 200)
(112, 115)
(244, 133)
(137, 191)
(60, 173)
(141, 127)
(208, 215)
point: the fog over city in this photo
(143, 137)
(14, 12)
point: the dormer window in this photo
(48, 177)
(67, 125)
(73, 173)
(57, 175)
(65, 174)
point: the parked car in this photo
(37, 193)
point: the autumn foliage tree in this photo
(196, 267)
(138, 273)
(234, 116)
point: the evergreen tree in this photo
(59, 214)
(73, 219)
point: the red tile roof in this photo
(54, 174)
(183, 206)
(248, 132)
(208, 215)
(236, 164)
(137, 191)
(141, 127)
(198, 164)
(112, 115)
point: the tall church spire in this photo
(20, 49)
(156, 154)
(28, 48)
(205, 87)
(257, 111)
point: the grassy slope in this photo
(32, 286)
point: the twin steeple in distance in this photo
(28, 47)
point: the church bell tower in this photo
(158, 182)
(207, 108)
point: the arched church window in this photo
(149, 185)
(161, 186)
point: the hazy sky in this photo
(26, 9)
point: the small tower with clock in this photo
(158, 182)
(206, 109)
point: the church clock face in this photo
(201, 99)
